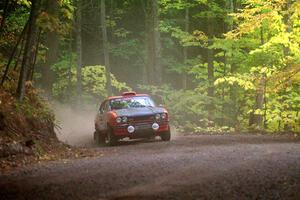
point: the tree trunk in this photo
(233, 99)
(185, 49)
(287, 51)
(232, 9)
(52, 44)
(146, 74)
(287, 22)
(149, 42)
(34, 56)
(223, 92)
(210, 70)
(257, 119)
(70, 68)
(19, 57)
(79, 51)
(265, 102)
(105, 49)
(233, 88)
(29, 48)
(21, 38)
(157, 44)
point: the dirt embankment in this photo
(24, 127)
(27, 132)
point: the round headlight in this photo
(130, 129)
(119, 120)
(155, 126)
(124, 119)
(157, 116)
(164, 116)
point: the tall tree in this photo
(287, 21)
(157, 44)
(34, 56)
(148, 70)
(147, 65)
(105, 49)
(233, 88)
(52, 44)
(29, 48)
(14, 51)
(185, 48)
(79, 50)
(256, 117)
(210, 68)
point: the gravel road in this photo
(191, 167)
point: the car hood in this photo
(133, 112)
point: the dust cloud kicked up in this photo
(77, 127)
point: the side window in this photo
(101, 109)
(106, 106)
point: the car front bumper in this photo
(141, 130)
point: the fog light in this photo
(155, 126)
(130, 129)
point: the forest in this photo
(217, 65)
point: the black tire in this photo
(99, 138)
(166, 136)
(110, 139)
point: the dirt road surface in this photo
(193, 167)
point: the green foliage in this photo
(34, 107)
(214, 130)
(60, 22)
(244, 81)
(198, 38)
(14, 26)
(26, 3)
(254, 45)
(189, 113)
(35, 112)
(93, 81)
(283, 112)
(127, 49)
(271, 53)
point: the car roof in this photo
(126, 96)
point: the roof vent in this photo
(129, 93)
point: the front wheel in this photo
(99, 138)
(110, 138)
(166, 136)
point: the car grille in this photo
(143, 126)
(142, 118)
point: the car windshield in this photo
(131, 102)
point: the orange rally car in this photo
(130, 115)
